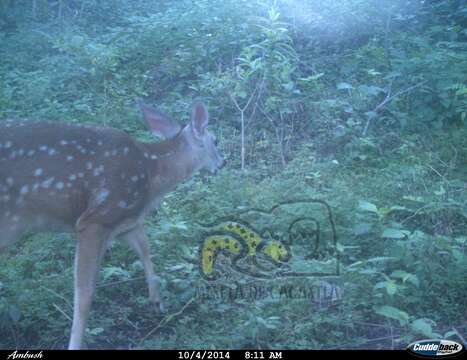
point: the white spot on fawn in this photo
(102, 196)
(46, 183)
(98, 171)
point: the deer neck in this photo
(170, 162)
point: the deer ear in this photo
(159, 123)
(199, 119)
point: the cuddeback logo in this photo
(432, 348)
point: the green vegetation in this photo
(361, 103)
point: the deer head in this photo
(201, 144)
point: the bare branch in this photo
(388, 99)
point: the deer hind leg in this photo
(138, 241)
(90, 249)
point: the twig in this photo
(388, 99)
(459, 335)
(166, 320)
(368, 324)
(436, 171)
(120, 282)
(62, 312)
(59, 296)
(242, 121)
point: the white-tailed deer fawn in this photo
(98, 182)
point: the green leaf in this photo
(312, 77)
(414, 198)
(391, 288)
(344, 86)
(449, 334)
(393, 313)
(383, 211)
(370, 90)
(400, 274)
(371, 114)
(95, 331)
(367, 206)
(114, 271)
(339, 247)
(397, 207)
(395, 233)
(373, 72)
(361, 229)
(422, 327)
(380, 259)
(14, 313)
(405, 277)
(241, 94)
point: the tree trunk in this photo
(243, 139)
(60, 10)
(34, 9)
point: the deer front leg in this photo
(89, 253)
(138, 241)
